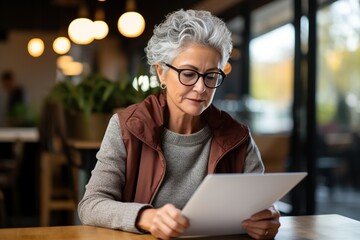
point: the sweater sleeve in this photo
(101, 204)
(253, 162)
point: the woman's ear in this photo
(160, 72)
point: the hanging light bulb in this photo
(63, 60)
(35, 47)
(81, 31)
(68, 66)
(73, 68)
(61, 45)
(100, 28)
(131, 24)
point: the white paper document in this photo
(223, 201)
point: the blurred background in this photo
(66, 65)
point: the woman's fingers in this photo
(269, 213)
(264, 224)
(262, 230)
(168, 222)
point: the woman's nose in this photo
(199, 85)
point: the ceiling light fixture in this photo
(63, 60)
(73, 69)
(36, 47)
(100, 27)
(80, 29)
(61, 45)
(131, 24)
(68, 66)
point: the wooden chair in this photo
(274, 149)
(58, 176)
(9, 171)
(2, 210)
(55, 196)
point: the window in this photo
(271, 84)
(338, 108)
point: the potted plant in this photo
(89, 104)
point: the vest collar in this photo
(148, 118)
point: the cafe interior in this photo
(292, 77)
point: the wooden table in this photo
(24, 134)
(87, 151)
(319, 227)
(83, 144)
(18, 147)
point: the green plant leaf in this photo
(97, 93)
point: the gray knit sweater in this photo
(186, 164)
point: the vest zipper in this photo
(233, 147)
(162, 177)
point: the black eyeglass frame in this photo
(198, 75)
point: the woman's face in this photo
(190, 100)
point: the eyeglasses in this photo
(189, 77)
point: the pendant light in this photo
(36, 47)
(61, 45)
(68, 66)
(100, 27)
(80, 29)
(131, 24)
(63, 60)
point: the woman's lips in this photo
(196, 100)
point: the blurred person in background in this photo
(15, 104)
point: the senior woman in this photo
(156, 153)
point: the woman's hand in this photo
(164, 223)
(264, 224)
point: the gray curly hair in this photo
(182, 28)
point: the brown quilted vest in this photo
(142, 125)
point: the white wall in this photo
(36, 75)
